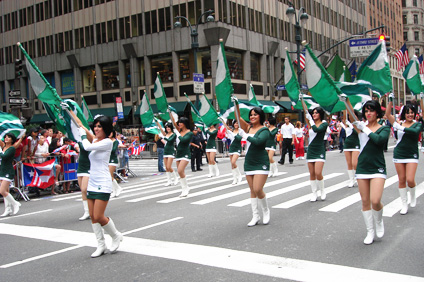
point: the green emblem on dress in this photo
(99, 188)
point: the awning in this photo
(179, 107)
(110, 112)
(40, 118)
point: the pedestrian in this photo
(371, 170)
(299, 142)
(316, 150)
(57, 167)
(405, 154)
(160, 149)
(169, 152)
(287, 132)
(351, 149)
(235, 149)
(211, 150)
(99, 184)
(182, 130)
(256, 162)
(271, 146)
(196, 151)
(113, 164)
(7, 172)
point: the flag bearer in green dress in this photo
(271, 145)
(211, 150)
(169, 152)
(235, 149)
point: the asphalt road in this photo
(204, 237)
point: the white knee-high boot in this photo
(256, 217)
(271, 170)
(275, 169)
(86, 214)
(378, 220)
(168, 178)
(101, 245)
(117, 237)
(351, 174)
(216, 170)
(403, 192)
(239, 176)
(184, 187)
(175, 177)
(314, 191)
(266, 213)
(211, 173)
(234, 171)
(7, 208)
(320, 184)
(117, 189)
(369, 223)
(13, 204)
(413, 197)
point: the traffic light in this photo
(19, 68)
(387, 39)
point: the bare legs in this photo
(257, 196)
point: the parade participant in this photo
(7, 173)
(235, 149)
(299, 143)
(100, 184)
(371, 168)
(83, 174)
(169, 152)
(182, 130)
(211, 150)
(113, 164)
(351, 149)
(405, 154)
(287, 132)
(316, 150)
(256, 162)
(271, 145)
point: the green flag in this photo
(346, 76)
(244, 107)
(42, 88)
(376, 70)
(358, 94)
(10, 124)
(290, 80)
(207, 112)
(55, 114)
(309, 101)
(87, 113)
(266, 108)
(223, 86)
(195, 115)
(412, 76)
(320, 84)
(335, 69)
(147, 117)
(70, 126)
(161, 101)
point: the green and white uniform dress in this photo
(235, 146)
(83, 162)
(270, 144)
(113, 160)
(183, 148)
(257, 161)
(169, 149)
(7, 172)
(211, 144)
(371, 163)
(316, 148)
(406, 150)
(352, 140)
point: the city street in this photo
(204, 237)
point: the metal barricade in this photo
(124, 164)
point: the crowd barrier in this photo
(124, 164)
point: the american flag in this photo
(302, 61)
(402, 57)
(421, 64)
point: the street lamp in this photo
(194, 37)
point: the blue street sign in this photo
(362, 47)
(281, 87)
(304, 87)
(363, 42)
(198, 77)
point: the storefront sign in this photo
(119, 108)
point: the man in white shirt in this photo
(287, 132)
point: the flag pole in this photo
(236, 110)
(71, 114)
(350, 109)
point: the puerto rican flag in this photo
(39, 175)
(142, 147)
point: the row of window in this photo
(415, 19)
(416, 36)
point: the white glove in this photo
(367, 131)
(64, 106)
(422, 95)
(82, 131)
(160, 135)
(360, 125)
(391, 97)
(348, 123)
(397, 126)
(234, 99)
(343, 98)
(241, 133)
(309, 117)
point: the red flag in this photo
(39, 175)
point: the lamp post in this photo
(194, 37)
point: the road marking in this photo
(395, 206)
(152, 225)
(282, 190)
(248, 262)
(352, 199)
(306, 198)
(40, 257)
(25, 214)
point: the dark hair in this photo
(169, 124)
(106, 124)
(373, 106)
(33, 130)
(272, 121)
(53, 145)
(113, 134)
(319, 110)
(66, 139)
(406, 109)
(184, 121)
(43, 131)
(260, 112)
(234, 122)
(13, 137)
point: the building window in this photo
(185, 67)
(415, 19)
(416, 35)
(206, 63)
(127, 74)
(417, 52)
(110, 76)
(68, 82)
(163, 66)
(255, 67)
(142, 73)
(404, 19)
(405, 36)
(59, 43)
(125, 27)
(89, 79)
(41, 47)
(235, 64)
(414, 3)
(89, 35)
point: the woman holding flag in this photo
(169, 152)
(235, 149)
(271, 145)
(113, 164)
(405, 154)
(351, 149)
(211, 150)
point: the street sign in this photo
(362, 47)
(14, 93)
(281, 87)
(17, 101)
(198, 82)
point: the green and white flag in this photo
(70, 126)
(376, 70)
(309, 101)
(244, 107)
(290, 81)
(207, 112)
(42, 88)
(10, 124)
(195, 115)
(55, 114)
(223, 86)
(346, 75)
(336, 68)
(266, 108)
(87, 113)
(161, 101)
(358, 94)
(412, 76)
(321, 86)
(147, 117)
